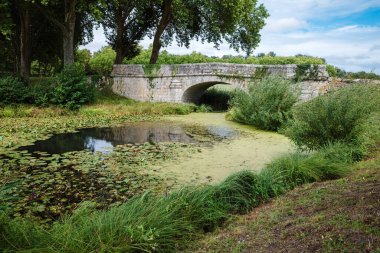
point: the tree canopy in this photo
(237, 22)
(48, 32)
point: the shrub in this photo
(335, 117)
(266, 105)
(331, 70)
(41, 90)
(13, 91)
(102, 61)
(73, 90)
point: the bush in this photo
(102, 61)
(13, 91)
(336, 117)
(42, 90)
(73, 89)
(266, 105)
(332, 71)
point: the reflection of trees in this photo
(148, 132)
(99, 138)
(59, 143)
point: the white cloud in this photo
(98, 42)
(346, 28)
(285, 24)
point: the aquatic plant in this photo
(47, 186)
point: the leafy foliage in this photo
(239, 23)
(83, 57)
(126, 23)
(335, 117)
(194, 57)
(102, 61)
(266, 105)
(73, 89)
(13, 91)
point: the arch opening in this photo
(195, 92)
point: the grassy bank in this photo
(334, 216)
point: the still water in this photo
(105, 139)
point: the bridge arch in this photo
(194, 93)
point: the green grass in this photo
(106, 104)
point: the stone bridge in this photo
(187, 82)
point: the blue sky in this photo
(345, 33)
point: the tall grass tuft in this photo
(341, 116)
(267, 104)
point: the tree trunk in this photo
(68, 47)
(164, 22)
(25, 42)
(119, 47)
(67, 27)
(68, 32)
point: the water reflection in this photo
(104, 139)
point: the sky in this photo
(344, 32)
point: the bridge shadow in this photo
(194, 93)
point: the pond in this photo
(110, 165)
(104, 140)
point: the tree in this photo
(17, 29)
(8, 41)
(238, 22)
(83, 57)
(67, 15)
(125, 23)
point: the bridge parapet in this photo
(245, 70)
(187, 82)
